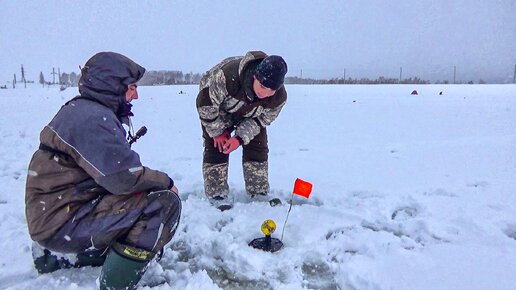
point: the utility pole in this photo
(53, 76)
(514, 78)
(401, 69)
(301, 74)
(454, 73)
(344, 75)
(14, 81)
(22, 74)
(59, 74)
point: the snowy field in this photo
(410, 192)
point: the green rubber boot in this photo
(123, 268)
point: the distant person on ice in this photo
(238, 99)
(87, 192)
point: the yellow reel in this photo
(268, 227)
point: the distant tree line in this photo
(350, 81)
(64, 79)
(168, 77)
(150, 78)
(445, 82)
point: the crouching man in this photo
(89, 200)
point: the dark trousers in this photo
(146, 221)
(256, 150)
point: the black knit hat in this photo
(271, 72)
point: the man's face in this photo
(261, 91)
(132, 93)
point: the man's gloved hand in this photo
(218, 141)
(231, 145)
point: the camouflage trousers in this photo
(254, 162)
(146, 221)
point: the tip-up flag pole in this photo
(302, 188)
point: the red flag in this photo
(302, 188)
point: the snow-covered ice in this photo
(410, 192)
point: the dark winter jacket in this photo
(226, 98)
(84, 152)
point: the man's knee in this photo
(257, 149)
(257, 156)
(215, 157)
(168, 203)
(158, 223)
(212, 154)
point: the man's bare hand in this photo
(231, 145)
(218, 141)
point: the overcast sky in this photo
(321, 38)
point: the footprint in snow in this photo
(318, 275)
(365, 195)
(223, 223)
(335, 233)
(439, 192)
(404, 213)
(481, 184)
(510, 231)
(16, 175)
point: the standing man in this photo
(87, 192)
(238, 99)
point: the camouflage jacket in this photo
(84, 153)
(226, 99)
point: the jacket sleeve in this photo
(212, 93)
(100, 148)
(135, 180)
(250, 127)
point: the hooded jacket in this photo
(226, 99)
(84, 152)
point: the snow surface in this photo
(410, 192)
